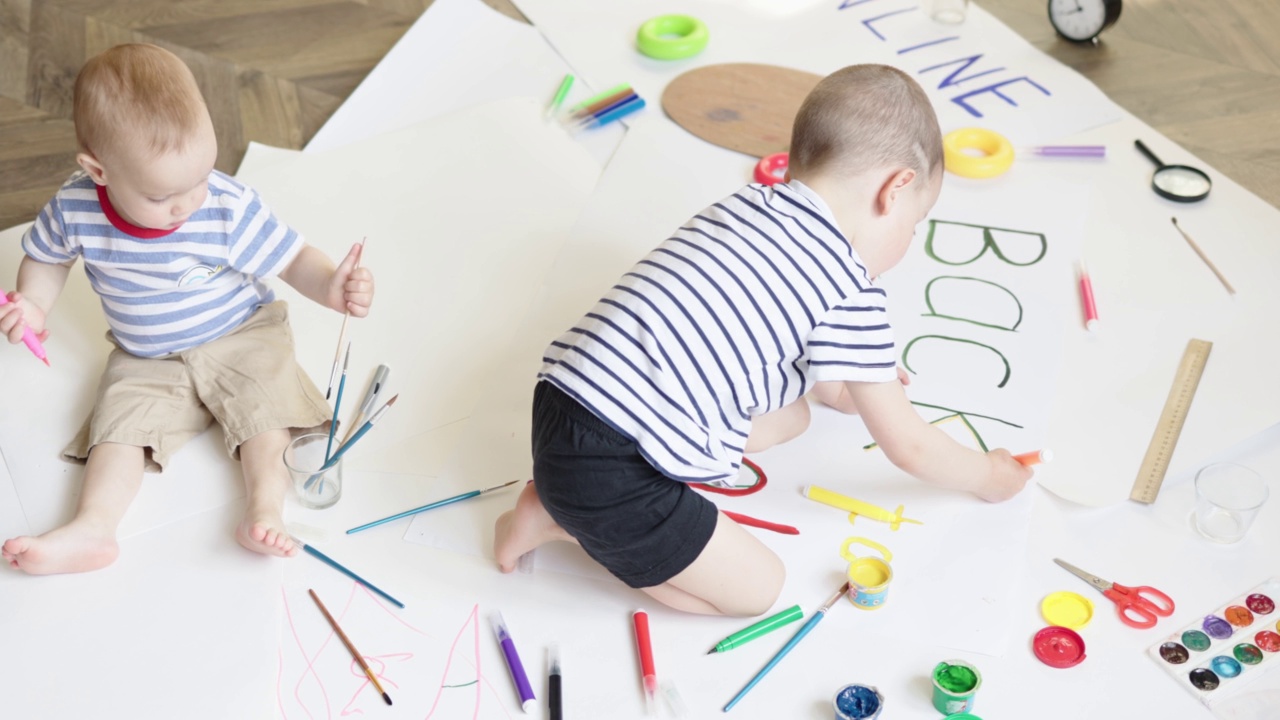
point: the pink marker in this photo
(1086, 299)
(28, 337)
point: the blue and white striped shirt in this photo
(737, 314)
(166, 292)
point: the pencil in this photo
(350, 648)
(340, 568)
(1204, 257)
(342, 333)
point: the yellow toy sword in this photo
(857, 507)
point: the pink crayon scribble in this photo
(380, 664)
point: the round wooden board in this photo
(741, 106)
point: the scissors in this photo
(1137, 606)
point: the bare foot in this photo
(523, 529)
(265, 534)
(74, 547)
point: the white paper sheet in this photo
(462, 214)
(13, 520)
(183, 624)
(458, 54)
(979, 73)
(55, 400)
(1034, 225)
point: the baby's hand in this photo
(351, 288)
(17, 315)
(1007, 477)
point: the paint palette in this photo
(1223, 651)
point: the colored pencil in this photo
(340, 568)
(432, 506)
(350, 647)
(762, 524)
(795, 640)
(760, 629)
(333, 424)
(1221, 278)
(342, 334)
(563, 91)
(518, 676)
(372, 395)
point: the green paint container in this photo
(955, 683)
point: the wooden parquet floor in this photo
(1207, 74)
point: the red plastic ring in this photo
(773, 169)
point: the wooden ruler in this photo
(1176, 407)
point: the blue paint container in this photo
(858, 702)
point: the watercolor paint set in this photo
(1221, 653)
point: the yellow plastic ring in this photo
(672, 37)
(996, 158)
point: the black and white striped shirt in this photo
(737, 314)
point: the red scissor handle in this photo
(1138, 606)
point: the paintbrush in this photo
(342, 334)
(350, 648)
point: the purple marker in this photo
(527, 700)
(1077, 151)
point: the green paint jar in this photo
(955, 683)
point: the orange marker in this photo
(1035, 457)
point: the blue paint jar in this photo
(858, 702)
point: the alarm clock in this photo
(1081, 20)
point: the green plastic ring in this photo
(672, 37)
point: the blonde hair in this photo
(137, 92)
(865, 117)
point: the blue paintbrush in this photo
(340, 568)
(431, 506)
(795, 640)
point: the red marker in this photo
(1035, 457)
(645, 651)
(1086, 299)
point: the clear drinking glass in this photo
(1228, 497)
(304, 457)
(949, 12)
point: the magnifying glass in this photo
(1180, 183)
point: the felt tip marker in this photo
(553, 683)
(644, 649)
(1086, 300)
(518, 676)
(1035, 457)
(29, 337)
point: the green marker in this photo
(760, 629)
(596, 98)
(560, 95)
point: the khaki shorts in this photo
(248, 380)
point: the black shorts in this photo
(641, 525)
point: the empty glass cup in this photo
(1228, 497)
